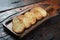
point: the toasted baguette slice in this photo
(31, 17)
(39, 12)
(18, 26)
(42, 11)
(36, 13)
(25, 20)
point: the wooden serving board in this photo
(8, 22)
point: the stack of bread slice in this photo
(22, 22)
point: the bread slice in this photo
(18, 26)
(42, 11)
(25, 20)
(39, 12)
(31, 17)
(36, 13)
